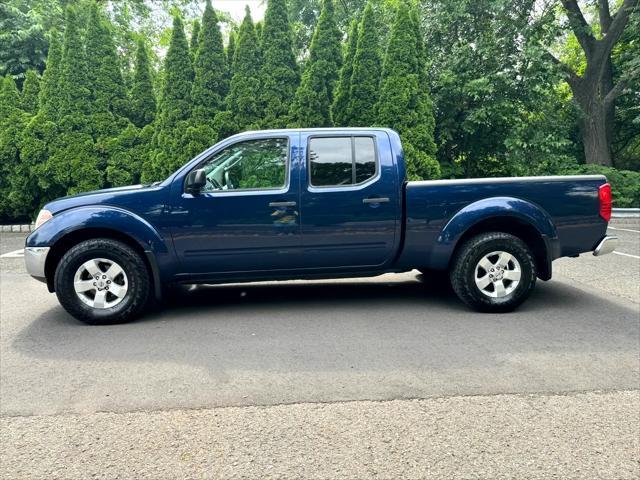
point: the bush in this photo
(625, 184)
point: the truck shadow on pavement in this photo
(279, 343)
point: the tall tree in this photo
(193, 43)
(30, 92)
(174, 108)
(312, 103)
(12, 122)
(594, 90)
(279, 76)
(405, 104)
(365, 80)
(341, 98)
(104, 75)
(75, 86)
(229, 52)
(243, 100)
(210, 84)
(50, 95)
(143, 100)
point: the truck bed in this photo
(565, 209)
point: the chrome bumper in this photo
(607, 245)
(34, 259)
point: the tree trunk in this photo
(595, 134)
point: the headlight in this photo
(43, 216)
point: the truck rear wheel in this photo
(102, 282)
(493, 272)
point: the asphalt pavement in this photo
(330, 347)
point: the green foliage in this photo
(174, 108)
(126, 154)
(229, 53)
(625, 184)
(279, 76)
(243, 100)
(365, 80)
(405, 104)
(30, 92)
(341, 98)
(210, 84)
(103, 67)
(143, 101)
(193, 43)
(50, 92)
(23, 45)
(75, 86)
(312, 103)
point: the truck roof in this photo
(321, 129)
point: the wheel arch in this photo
(514, 216)
(71, 239)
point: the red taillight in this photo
(604, 193)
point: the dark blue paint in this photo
(232, 236)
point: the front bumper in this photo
(34, 259)
(607, 245)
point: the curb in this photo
(24, 228)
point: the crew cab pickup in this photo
(308, 204)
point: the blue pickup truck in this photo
(309, 204)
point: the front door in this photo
(246, 218)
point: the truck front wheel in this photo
(102, 282)
(493, 272)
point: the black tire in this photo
(468, 256)
(138, 291)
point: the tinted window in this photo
(330, 161)
(252, 164)
(365, 158)
(335, 161)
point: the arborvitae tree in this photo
(193, 43)
(75, 87)
(108, 93)
(365, 80)
(242, 102)
(341, 98)
(229, 52)
(143, 101)
(30, 92)
(312, 104)
(405, 104)
(210, 84)
(50, 94)
(279, 76)
(12, 122)
(174, 108)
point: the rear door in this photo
(349, 200)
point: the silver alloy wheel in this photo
(497, 274)
(100, 283)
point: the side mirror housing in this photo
(196, 180)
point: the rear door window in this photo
(341, 161)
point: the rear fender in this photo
(503, 208)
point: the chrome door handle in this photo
(282, 204)
(376, 200)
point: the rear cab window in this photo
(341, 161)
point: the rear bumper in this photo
(34, 259)
(607, 245)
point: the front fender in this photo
(496, 207)
(111, 218)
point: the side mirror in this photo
(196, 180)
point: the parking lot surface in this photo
(314, 355)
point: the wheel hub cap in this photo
(497, 274)
(100, 283)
